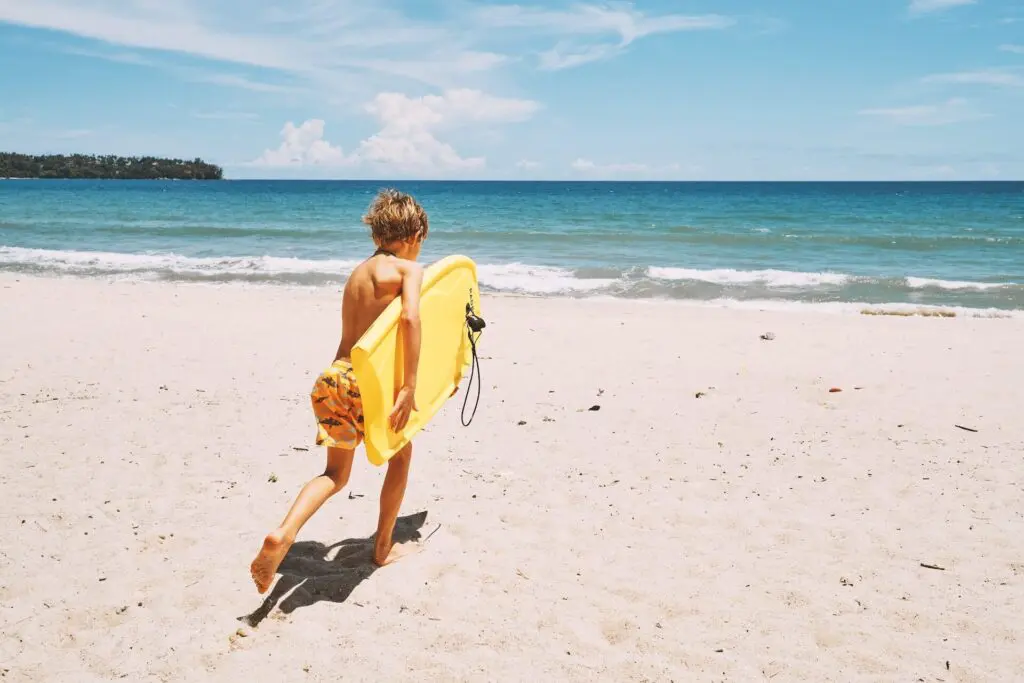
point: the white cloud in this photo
(435, 70)
(120, 57)
(528, 165)
(591, 168)
(452, 108)
(927, 6)
(332, 44)
(140, 23)
(480, 61)
(562, 57)
(596, 170)
(588, 166)
(190, 74)
(324, 42)
(619, 19)
(933, 172)
(951, 111)
(993, 77)
(1016, 49)
(303, 145)
(236, 81)
(407, 139)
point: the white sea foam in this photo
(517, 278)
(768, 278)
(98, 262)
(526, 279)
(923, 283)
(857, 308)
(514, 277)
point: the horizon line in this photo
(542, 180)
(625, 180)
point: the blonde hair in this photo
(394, 217)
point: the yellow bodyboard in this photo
(449, 285)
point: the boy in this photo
(398, 225)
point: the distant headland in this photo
(88, 166)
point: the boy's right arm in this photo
(412, 281)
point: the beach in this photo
(649, 491)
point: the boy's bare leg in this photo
(391, 494)
(309, 500)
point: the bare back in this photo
(373, 285)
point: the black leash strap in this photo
(474, 326)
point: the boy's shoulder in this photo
(389, 266)
(384, 272)
(410, 267)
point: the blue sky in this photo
(672, 89)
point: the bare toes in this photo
(396, 553)
(264, 567)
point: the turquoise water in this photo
(951, 244)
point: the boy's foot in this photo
(383, 556)
(263, 568)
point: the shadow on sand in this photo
(310, 574)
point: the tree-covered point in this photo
(109, 166)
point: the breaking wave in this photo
(539, 280)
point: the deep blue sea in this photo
(948, 244)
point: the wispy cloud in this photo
(528, 165)
(323, 41)
(565, 57)
(1016, 49)
(335, 52)
(185, 73)
(174, 27)
(940, 171)
(993, 77)
(956, 110)
(235, 81)
(928, 6)
(438, 70)
(588, 166)
(619, 18)
(972, 158)
(331, 41)
(111, 56)
(407, 139)
(592, 168)
(621, 22)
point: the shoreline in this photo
(842, 308)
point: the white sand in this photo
(768, 530)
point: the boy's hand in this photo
(404, 405)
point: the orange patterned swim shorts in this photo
(338, 407)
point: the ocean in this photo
(899, 244)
